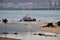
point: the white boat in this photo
(28, 17)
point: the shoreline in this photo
(4, 38)
(55, 29)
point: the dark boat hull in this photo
(31, 20)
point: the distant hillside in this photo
(29, 9)
(30, 4)
(22, 0)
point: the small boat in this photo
(28, 17)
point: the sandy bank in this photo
(39, 25)
(2, 38)
(49, 29)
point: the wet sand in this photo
(51, 29)
(2, 38)
(39, 25)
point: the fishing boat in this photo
(28, 17)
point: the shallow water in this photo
(25, 32)
(18, 27)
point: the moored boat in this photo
(28, 17)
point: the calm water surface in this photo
(42, 15)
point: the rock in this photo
(58, 23)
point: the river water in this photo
(26, 31)
(42, 15)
